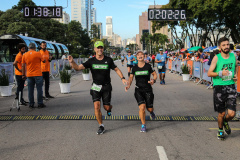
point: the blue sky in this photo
(125, 13)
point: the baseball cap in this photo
(237, 50)
(160, 49)
(140, 51)
(98, 44)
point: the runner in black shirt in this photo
(101, 88)
(143, 91)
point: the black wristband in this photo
(122, 78)
(154, 81)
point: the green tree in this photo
(78, 38)
(22, 27)
(95, 32)
(23, 3)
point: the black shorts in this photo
(163, 70)
(144, 97)
(224, 97)
(105, 94)
(129, 65)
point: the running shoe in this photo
(41, 106)
(143, 128)
(109, 113)
(161, 82)
(220, 135)
(100, 130)
(226, 127)
(49, 96)
(152, 115)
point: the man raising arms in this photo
(101, 88)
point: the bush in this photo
(4, 79)
(185, 69)
(64, 76)
(67, 67)
(85, 71)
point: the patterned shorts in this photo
(224, 97)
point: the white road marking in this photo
(162, 153)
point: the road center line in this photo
(162, 153)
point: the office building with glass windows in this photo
(81, 11)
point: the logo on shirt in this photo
(141, 73)
(229, 66)
(100, 66)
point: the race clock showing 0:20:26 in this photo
(166, 14)
(42, 12)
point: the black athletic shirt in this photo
(100, 69)
(142, 76)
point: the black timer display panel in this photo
(166, 14)
(42, 12)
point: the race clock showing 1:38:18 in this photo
(42, 12)
(166, 14)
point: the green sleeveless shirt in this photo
(222, 63)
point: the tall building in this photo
(81, 11)
(65, 18)
(94, 15)
(109, 26)
(143, 27)
(99, 26)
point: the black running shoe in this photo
(42, 106)
(152, 115)
(24, 101)
(100, 130)
(31, 106)
(49, 96)
(109, 113)
(226, 127)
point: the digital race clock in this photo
(42, 12)
(166, 14)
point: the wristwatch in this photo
(122, 78)
(154, 81)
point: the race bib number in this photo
(160, 67)
(129, 62)
(227, 78)
(96, 87)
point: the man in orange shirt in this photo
(18, 72)
(46, 67)
(32, 60)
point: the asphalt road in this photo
(77, 139)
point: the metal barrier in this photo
(197, 70)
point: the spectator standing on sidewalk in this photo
(64, 57)
(46, 67)
(32, 60)
(153, 60)
(18, 72)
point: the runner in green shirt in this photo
(224, 70)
